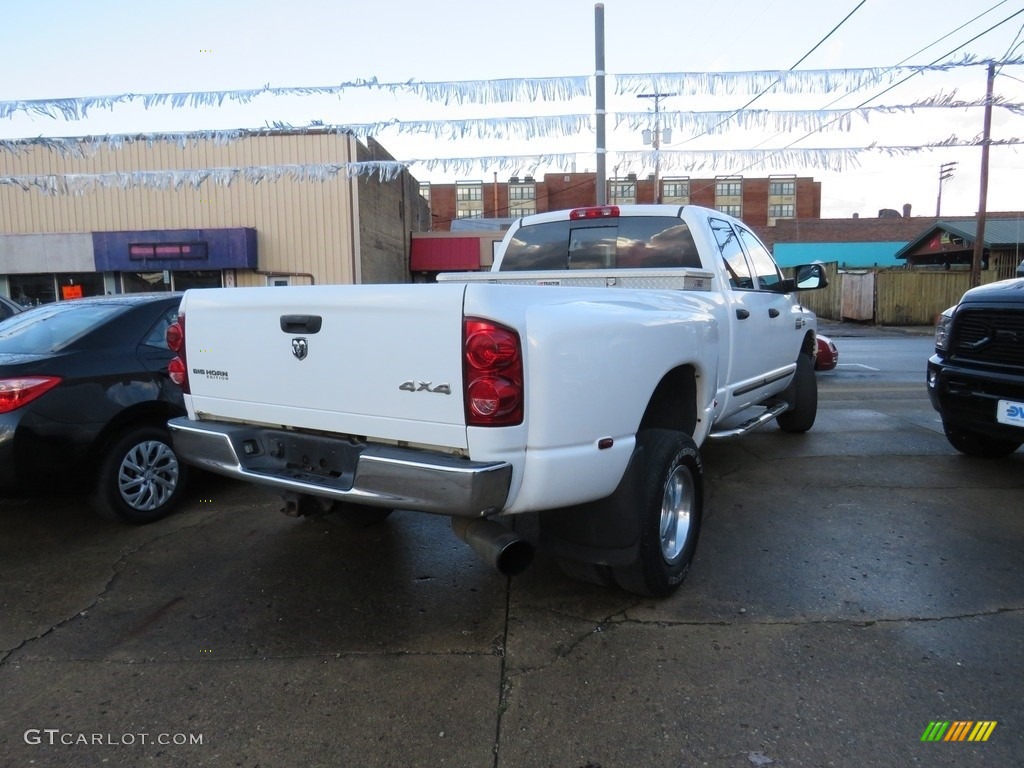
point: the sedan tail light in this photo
(492, 377)
(14, 393)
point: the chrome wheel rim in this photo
(148, 475)
(676, 511)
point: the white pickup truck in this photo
(576, 380)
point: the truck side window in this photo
(732, 255)
(765, 268)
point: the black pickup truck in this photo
(976, 376)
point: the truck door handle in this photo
(301, 323)
(742, 314)
(773, 312)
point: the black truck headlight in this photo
(942, 329)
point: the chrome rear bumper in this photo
(343, 469)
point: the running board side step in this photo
(753, 423)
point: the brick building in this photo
(758, 201)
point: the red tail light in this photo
(492, 373)
(598, 212)
(15, 393)
(177, 369)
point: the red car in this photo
(828, 356)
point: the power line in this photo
(900, 82)
(776, 81)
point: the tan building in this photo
(142, 223)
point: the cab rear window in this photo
(638, 242)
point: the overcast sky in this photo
(66, 49)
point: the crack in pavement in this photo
(611, 621)
(117, 569)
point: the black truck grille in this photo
(989, 337)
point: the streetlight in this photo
(945, 172)
(654, 139)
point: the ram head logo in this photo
(300, 348)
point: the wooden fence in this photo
(826, 302)
(889, 296)
(915, 297)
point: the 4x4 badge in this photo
(300, 348)
(425, 386)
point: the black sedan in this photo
(84, 403)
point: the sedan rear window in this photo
(630, 242)
(52, 327)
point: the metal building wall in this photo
(303, 227)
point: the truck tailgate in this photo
(382, 362)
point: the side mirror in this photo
(809, 277)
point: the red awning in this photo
(445, 254)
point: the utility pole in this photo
(945, 172)
(599, 111)
(986, 140)
(656, 138)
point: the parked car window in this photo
(157, 336)
(630, 242)
(8, 308)
(51, 327)
(767, 271)
(732, 254)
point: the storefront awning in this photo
(175, 249)
(446, 254)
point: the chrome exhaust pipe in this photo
(496, 545)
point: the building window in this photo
(781, 188)
(469, 194)
(79, 284)
(181, 280)
(675, 191)
(425, 191)
(196, 278)
(521, 192)
(469, 213)
(622, 192)
(30, 290)
(522, 211)
(787, 211)
(732, 210)
(729, 188)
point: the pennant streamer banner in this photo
(835, 159)
(524, 128)
(813, 81)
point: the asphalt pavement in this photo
(852, 587)
(853, 329)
